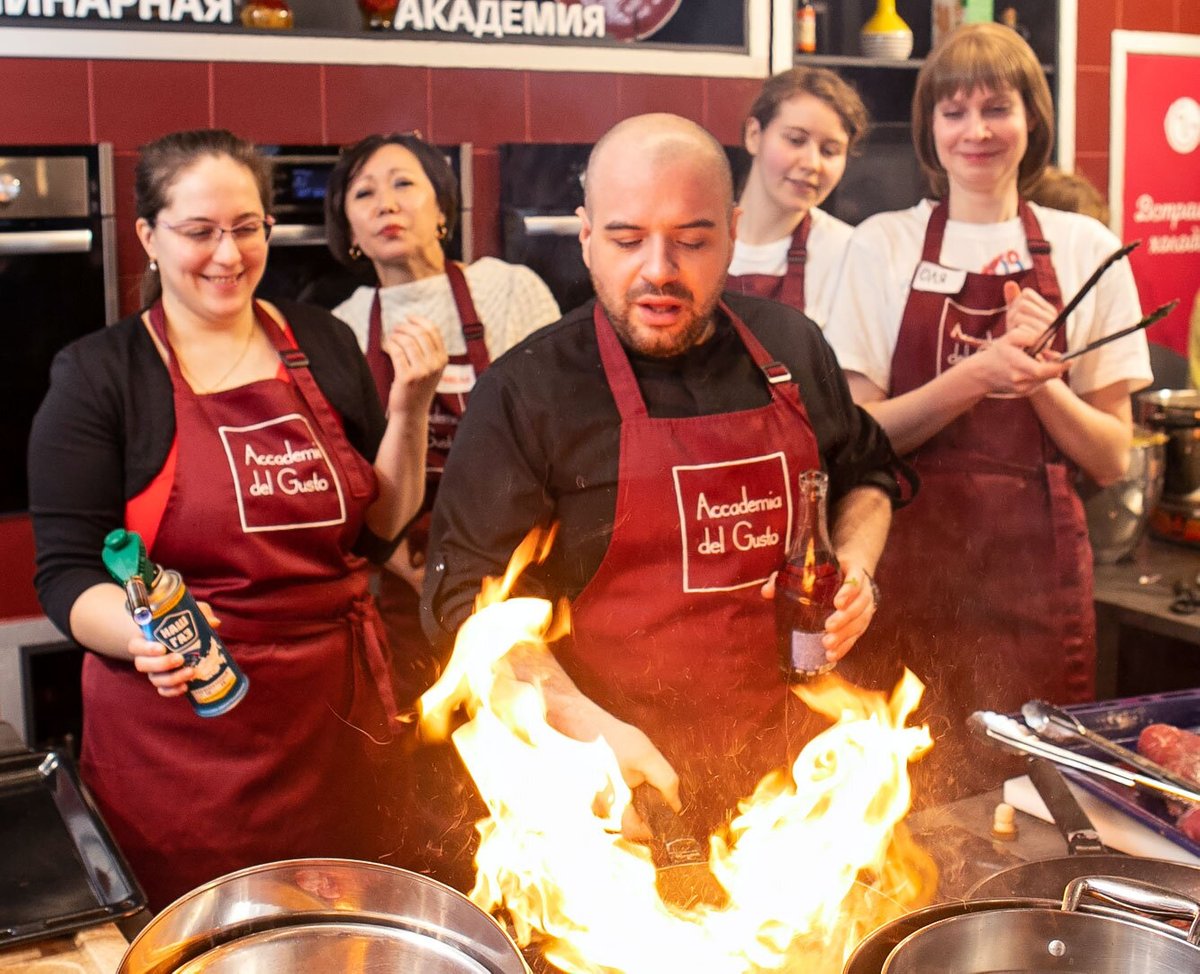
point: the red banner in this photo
(1161, 200)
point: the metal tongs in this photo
(1160, 312)
(1006, 732)
(1052, 329)
(1044, 718)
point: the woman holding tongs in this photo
(941, 324)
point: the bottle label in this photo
(180, 631)
(181, 628)
(806, 30)
(808, 654)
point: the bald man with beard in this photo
(662, 427)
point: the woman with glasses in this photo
(937, 322)
(245, 443)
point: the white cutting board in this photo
(1116, 829)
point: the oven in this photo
(300, 266)
(58, 279)
(40, 692)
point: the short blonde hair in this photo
(992, 57)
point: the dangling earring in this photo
(355, 252)
(153, 266)
(442, 230)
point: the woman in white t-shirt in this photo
(390, 202)
(801, 127)
(987, 576)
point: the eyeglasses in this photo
(201, 233)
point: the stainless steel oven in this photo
(58, 278)
(300, 266)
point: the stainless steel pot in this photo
(1105, 937)
(1176, 413)
(1117, 515)
(323, 915)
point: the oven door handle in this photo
(21, 242)
(541, 225)
(297, 235)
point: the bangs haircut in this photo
(987, 57)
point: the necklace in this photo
(228, 372)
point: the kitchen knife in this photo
(1072, 821)
(682, 876)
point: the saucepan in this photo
(319, 915)
(1103, 925)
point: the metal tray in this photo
(1122, 721)
(59, 867)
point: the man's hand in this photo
(854, 606)
(641, 763)
(572, 713)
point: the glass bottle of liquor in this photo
(805, 587)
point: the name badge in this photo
(938, 279)
(457, 379)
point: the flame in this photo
(813, 861)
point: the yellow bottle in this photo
(886, 35)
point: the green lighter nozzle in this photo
(125, 556)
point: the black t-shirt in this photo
(107, 424)
(540, 443)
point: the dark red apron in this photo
(788, 289)
(267, 499)
(672, 633)
(439, 800)
(398, 603)
(987, 576)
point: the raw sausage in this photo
(1179, 751)
(1176, 750)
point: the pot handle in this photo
(1130, 895)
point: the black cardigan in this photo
(106, 427)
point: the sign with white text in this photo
(1155, 170)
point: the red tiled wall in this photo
(1097, 20)
(130, 102)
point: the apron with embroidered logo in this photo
(987, 574)
(788, 288)
(268, 497)
(672, 633)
